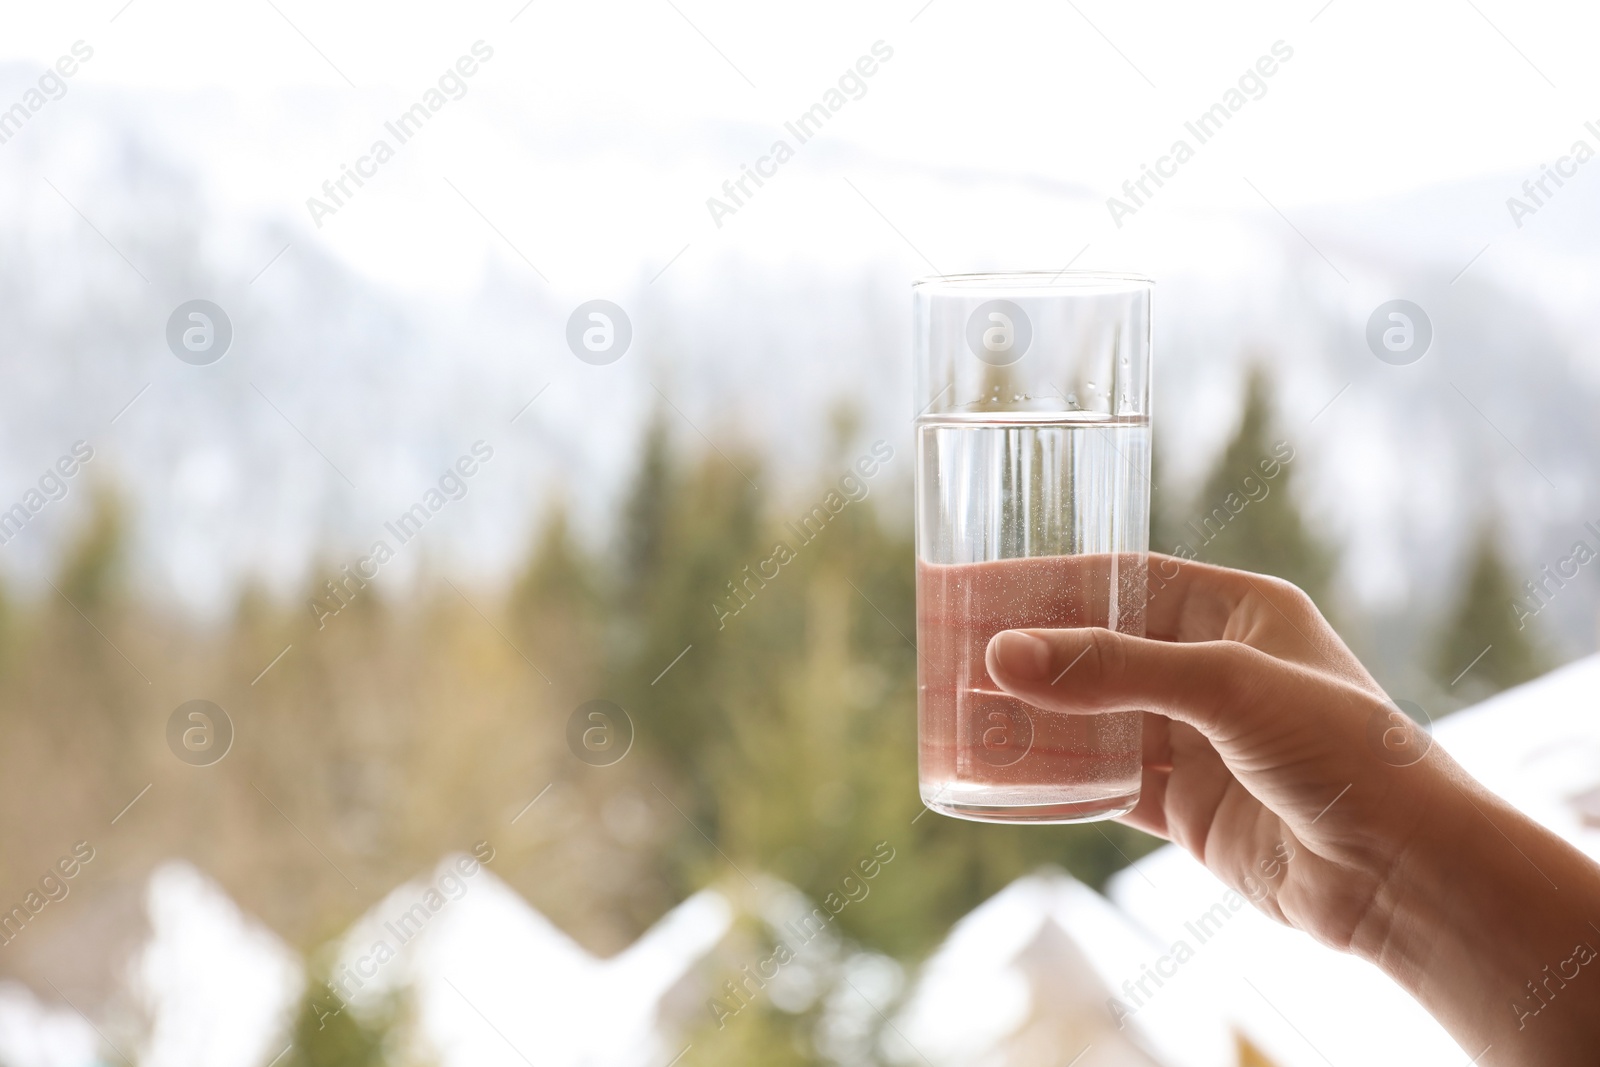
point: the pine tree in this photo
(558, 579)
(647, 510)
(1246, 515)
(329, 1033)
(93, 608)
(1168, 510)
(1483, 623)
(91, 573)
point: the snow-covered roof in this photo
(1537, 745)
(1160, 975)
(494, 982)
(218, 987)
(36, 1034)
(1048, 953)
(213, 986)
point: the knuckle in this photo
(1284, 599)
(1289, 596)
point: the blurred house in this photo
(216, 985)
(1173, 970)
(34, 1033)
(490, 979)
(494, 982)
(1047, 969)
(185, 980)
(1030, 979)
(1537, 745)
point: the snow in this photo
(495, 982)
(219, 987)
(1047, 950)
(1537, 745)
(35, 1034)
(1293, 997)
(1164, 973)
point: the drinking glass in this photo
(1032, 510)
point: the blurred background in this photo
(393, 360)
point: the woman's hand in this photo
(1273, 757)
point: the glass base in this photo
(1097, 810)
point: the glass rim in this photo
(1042, 280)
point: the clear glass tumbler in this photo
(1032, 510)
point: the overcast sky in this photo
(595, 135)
(579, 159)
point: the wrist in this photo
(1483, 918)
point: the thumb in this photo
(1218, 687)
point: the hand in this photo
(1273, 757)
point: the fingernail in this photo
(1021, 657)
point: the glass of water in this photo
(1032, 510)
